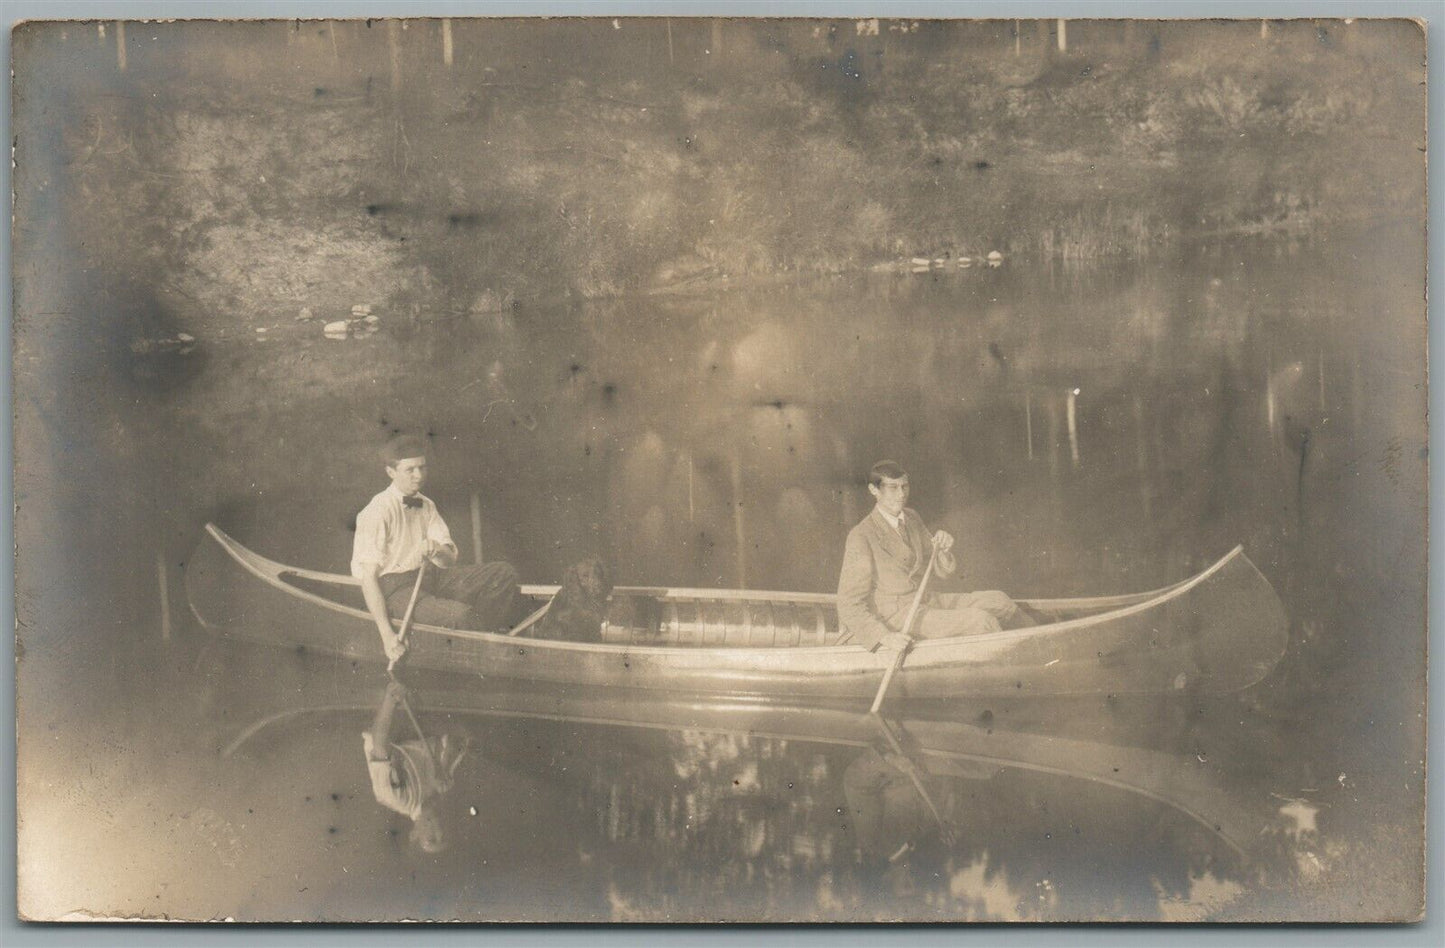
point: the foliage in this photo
(569, 160)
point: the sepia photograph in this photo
(720, 469)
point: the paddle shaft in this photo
(907, 625)
(532, 619)
(410, 608)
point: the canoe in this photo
(1190, 784)
(1219, 631)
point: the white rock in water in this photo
(361, 309)
(337, 328)
(305, 313)
(185, 337)
(373, 320)
(995, 257)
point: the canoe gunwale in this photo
(272, 573)
(683, 593)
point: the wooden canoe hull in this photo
(1221, 631)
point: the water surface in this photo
(1079, 432)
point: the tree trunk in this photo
(739, 523)
(393, 42)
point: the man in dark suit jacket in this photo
(884, 562)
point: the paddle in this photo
(410, 608)
(912, 771)
(907, 624)
(533, 618)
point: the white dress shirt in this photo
(393, 536)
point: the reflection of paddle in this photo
(912, 771)
(907, 624)
(401, 688)
(410, 608)
(406, 706)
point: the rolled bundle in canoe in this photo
(680, 622)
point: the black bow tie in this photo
(411, 501)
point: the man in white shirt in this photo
(883, 563)
(399, 529)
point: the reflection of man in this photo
(888, 815)
(898, 839)
(410, 777)
(903, 836)
(883, 563)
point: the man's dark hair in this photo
(882, 469)
(401, 447)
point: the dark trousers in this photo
(463, 597)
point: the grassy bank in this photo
(241, 173)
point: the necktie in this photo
(412, 501)
(912, 553)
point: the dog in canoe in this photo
(580, 606)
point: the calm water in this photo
(1078, 432)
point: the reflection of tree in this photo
(740, 402)
(753, 820)
(715, 822)
(775, 829)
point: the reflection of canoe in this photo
(1220, 631)
(942, 748)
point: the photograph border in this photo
(1430, 932)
